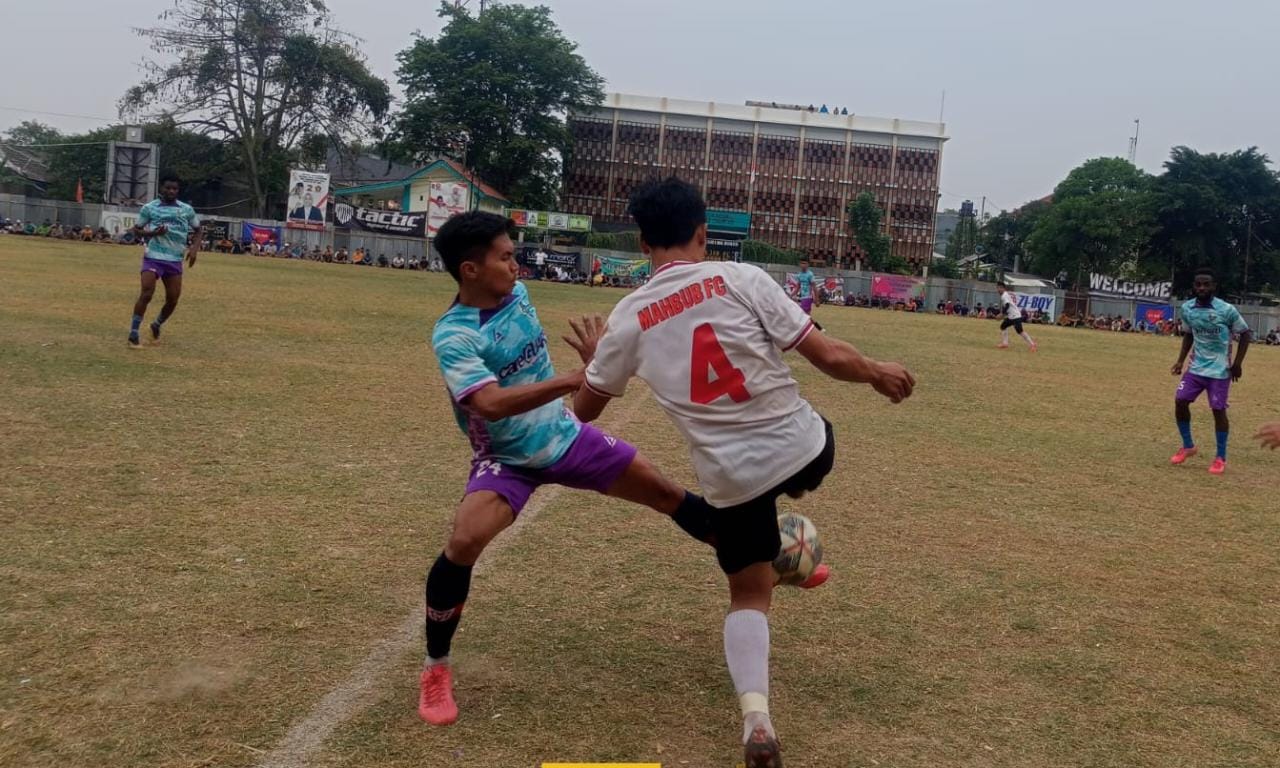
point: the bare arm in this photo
(1237, 369)
(588, 404)
(494, 402)
(1187, 341)
(839, 360)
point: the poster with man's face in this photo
(308, 199)
(448, 198)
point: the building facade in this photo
(793, 171)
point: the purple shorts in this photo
(807, 305)
(162, 269)
(593, 463)
(1192, 385)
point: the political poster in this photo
(347, 216)
(308, 197)
(448, 198)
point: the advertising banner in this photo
(624, 268)
(1102, 285)
(1040, 302)
(897, 287)
(259, 234)
(568, 222)
(448, 198)
(1152, 313)
(308, 197)
(216, 231)
(117, 222)
(347, 216)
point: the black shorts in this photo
(747, 533)
(1016, 324)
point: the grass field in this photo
(204, 538)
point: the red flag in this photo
(79, 191)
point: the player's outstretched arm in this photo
(839, 360)
(588, 405)
(1237, 368)
(494, 402)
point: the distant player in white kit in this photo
(708, 338)
(1012, 318)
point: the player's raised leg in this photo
(140, 307)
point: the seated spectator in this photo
(327, 256)
(382, 260)
(397, 262)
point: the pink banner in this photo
(897, 287)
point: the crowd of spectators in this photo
(1120, 324)
(60, 231)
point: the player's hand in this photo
(586, 335)
(1176, 370)
(191, 257)
(1237, 371)
(1269, 434)
(160, 230)
(894, 382)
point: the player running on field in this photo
(1012, 318)
(806, 290)
(507, 398)
(1208, 323)
(708, 338)
(166, 243)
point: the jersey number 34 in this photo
(708, 354)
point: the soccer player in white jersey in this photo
(1012, 317)
(708, 338)
(508, 400)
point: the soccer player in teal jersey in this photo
(1208, 323)
(172, 224)
(508, 400)
(806, 290)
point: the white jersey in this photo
(708, 339)
(1009, 303)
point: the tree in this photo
(1004, 237)
(864, 221)
(1100, 219)
(948, 268)
(266, 75)
(492, 91)
(1216, 210)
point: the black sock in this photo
(694, 518)
(447, 586)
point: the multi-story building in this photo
(794, 171)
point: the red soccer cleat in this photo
(1002, 346)
(1182, 455)
(817, 578)
(762, 750)
(1218, 466)
(435, 697)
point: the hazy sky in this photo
(1032, 87)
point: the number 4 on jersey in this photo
(707, 353)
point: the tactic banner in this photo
(897, 287)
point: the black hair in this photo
(1002, 284)
(668, 212)
(168, 177)
(1207, 272)
(467, 237)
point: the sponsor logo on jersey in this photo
(531, 354)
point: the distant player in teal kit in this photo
(172, 223)
(806, 289)
(508, 400)
(1207, 325)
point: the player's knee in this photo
(465, 547)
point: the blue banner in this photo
(1152, 313)
(259, 235)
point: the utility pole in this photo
(1247, 238)
(1133, 145)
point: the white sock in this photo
(1004, 337)
(746, 650)
(1027, 336)
(434, 662)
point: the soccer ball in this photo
(801, 549)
